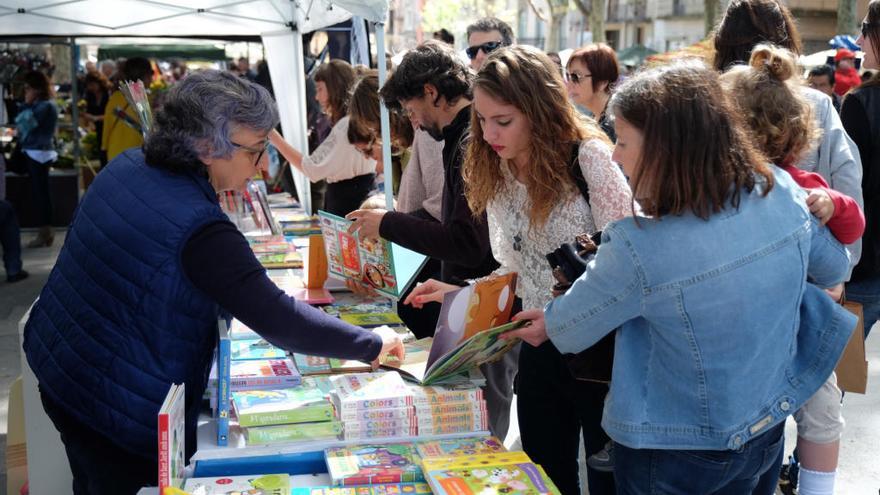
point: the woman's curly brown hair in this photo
(527, 79)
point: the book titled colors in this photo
(370, 391)
(303, 404)
(370, 464)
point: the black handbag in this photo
(569, 261)
(17, 161)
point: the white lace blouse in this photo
(336, 159)
(522, 250)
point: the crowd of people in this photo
(732, 205)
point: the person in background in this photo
(860, 114)
(767, 94)
(244, 69)
(10, 241)
(122, 127)
(846, 76)
(98, 90)
(108, 68)
(591, 73)
(686, 414)
(528, 151)
(485, 35)
(348, 172)
(36, 122)
(821, 78)
(445, 36)
(149, 265)
(554, 56)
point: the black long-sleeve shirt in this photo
(219, 262)
(460, 241)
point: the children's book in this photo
(459, 447)
(372, 435)
(476, 408)
(509, 473)
(341, 307)
(172, 447)
(259, 484)
(380, 489)
(380, 264)
(371, 464)
(316, 365)
(255, 349)
(290, 259)
(443, 395)
(260, 374)
(302, 404)
(370, 320)
(224, 385)
(358, 415)
(240, 331)
(362, 391)
(468, 332)
(299, 432)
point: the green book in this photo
(302, 404)
(261, 435)
(368, 320)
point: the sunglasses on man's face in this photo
(486, 47)
(866, 28)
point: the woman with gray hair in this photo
(149, 265)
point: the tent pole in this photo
(383, 114)
(74, 97)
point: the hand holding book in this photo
(535, 333)
(429, 291)
(392, 345)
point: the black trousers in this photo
(99, 466)
(345, 196)
(554, 410)
(42, 200)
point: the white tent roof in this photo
(178, 17)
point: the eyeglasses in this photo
(257, 151)
(866, 27)
(487, 48)
(575, 77)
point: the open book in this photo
(468, 332)
(380, 264)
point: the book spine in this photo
(308, 414)
(377, 414)
(261, 382)
(367, 404)
(475, 420)
(429, 396)
(224, 363)
(381, 424)
(348, 434)
(292, 433)
(448, 429)
(451, 408)
(164, 452)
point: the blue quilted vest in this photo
(118, 322)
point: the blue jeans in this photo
(668, 472)
(10, 239)
(866, 292)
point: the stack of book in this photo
(286, 415)
(297, 223)
(273, 251)
(372, 405)
(450, 409)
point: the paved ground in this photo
(859, 466)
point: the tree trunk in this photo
(597, 21)
(846, 17)
(710, 8)
(553, 31)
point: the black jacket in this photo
(460, 241)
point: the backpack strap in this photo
(578, 174)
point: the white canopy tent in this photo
(280, 24)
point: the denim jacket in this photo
(712, 349)
(41, 127)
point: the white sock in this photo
(815, 482)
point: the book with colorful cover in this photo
(476, 408)
(459, 447)
(258, 484)
(472, 319)
(255, 374)
(371, 464)
(340, 308)
(303, 404)
(240, 331)
(290, 259)
(299, 432)
(476, 421)
(378, 489)
(172, 438)
(370, 320)
(510, 473)
(224, 386)
(361, 391)
(312, 365)
(380, 264)
(255, 349)
(372, 435)
(440, 395)
(358, 415)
